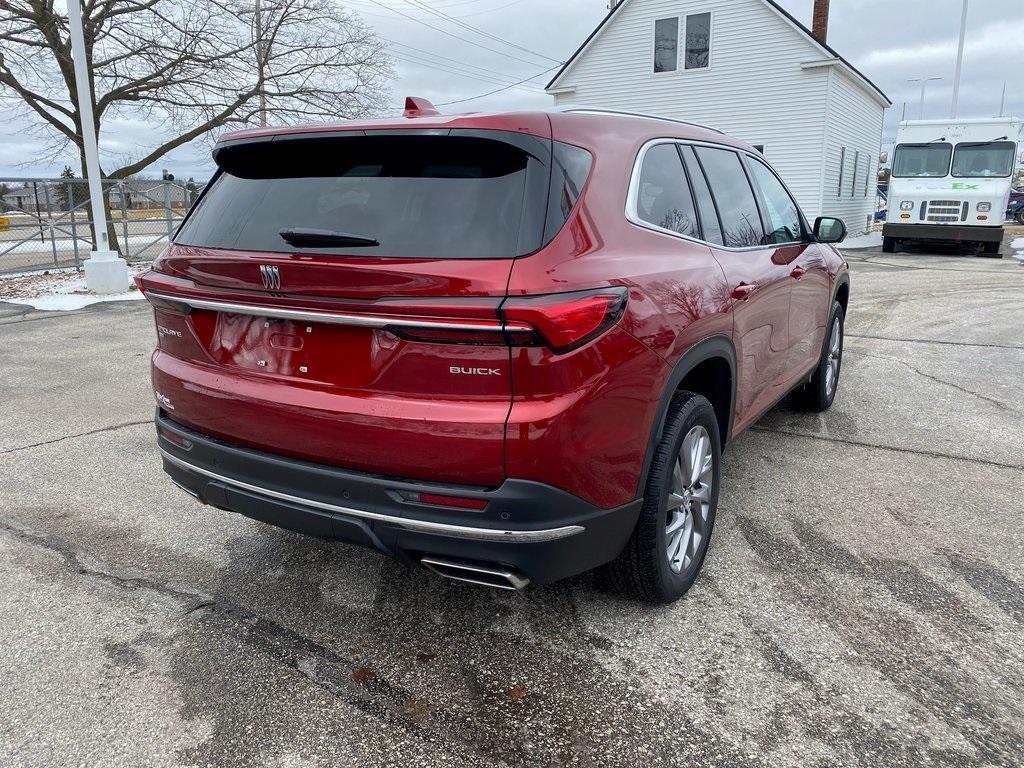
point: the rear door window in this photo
(417, 196)
(737, 208)
(662, 195)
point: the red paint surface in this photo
(372, 401)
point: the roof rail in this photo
(593, 110)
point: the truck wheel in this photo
(888, 245)
(991, 250)
(664, 555)
(1019, 216)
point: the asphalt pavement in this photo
(862, 602)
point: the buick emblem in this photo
(271, 277)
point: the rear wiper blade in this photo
(325, 238)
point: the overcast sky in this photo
(888, 41)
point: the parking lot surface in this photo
(862, 602)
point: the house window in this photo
(842, 167)
(698, 41)
(856, 167)
(666, 44)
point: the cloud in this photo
(888, 41)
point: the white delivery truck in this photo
(950, 182)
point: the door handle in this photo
(797, 272)
(743, 291)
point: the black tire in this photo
(888, 245)
(643, 569)
(818, 394)
(991, 250)
(1019, 216)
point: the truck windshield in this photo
(921, 160)
(988, 159)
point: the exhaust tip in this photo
(499, 578)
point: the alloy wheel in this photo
(689, 499)
(834, 353)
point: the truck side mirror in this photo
(829, 230)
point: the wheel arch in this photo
(841, 292)
(709, 369)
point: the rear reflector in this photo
(443, 500)
(178, 440)
(568, 320)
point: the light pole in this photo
(924, 84)
(105, 270)
(959, 61)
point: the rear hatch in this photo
(336, 298)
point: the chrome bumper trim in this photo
(334, 318)
(421, 526)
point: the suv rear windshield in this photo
(922, 160)
(427, 195)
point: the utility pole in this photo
(959, 62)
(259, 64)
(924, 84)
(1002, 100)
(105, 270)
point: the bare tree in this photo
(188, 67)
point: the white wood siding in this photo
(754, 89)
(854, 122)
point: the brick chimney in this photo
(819, 21)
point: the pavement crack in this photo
(998, 403)
(322, 666)
(897, 449)
(110, 428)
(930, 341)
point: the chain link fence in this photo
(46, 223)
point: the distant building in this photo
(750, 69)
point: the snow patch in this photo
(870, 240)
(59, 290)
(1017, 245)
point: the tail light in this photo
(565, 321)
(561, 321)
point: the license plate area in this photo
(325, 353)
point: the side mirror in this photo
(829, 230)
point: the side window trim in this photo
(711, 193)
(693, 197)
(634, 179)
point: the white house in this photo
(750, 69)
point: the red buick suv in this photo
(509, 347)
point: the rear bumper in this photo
(945, 232)
(533, 529)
